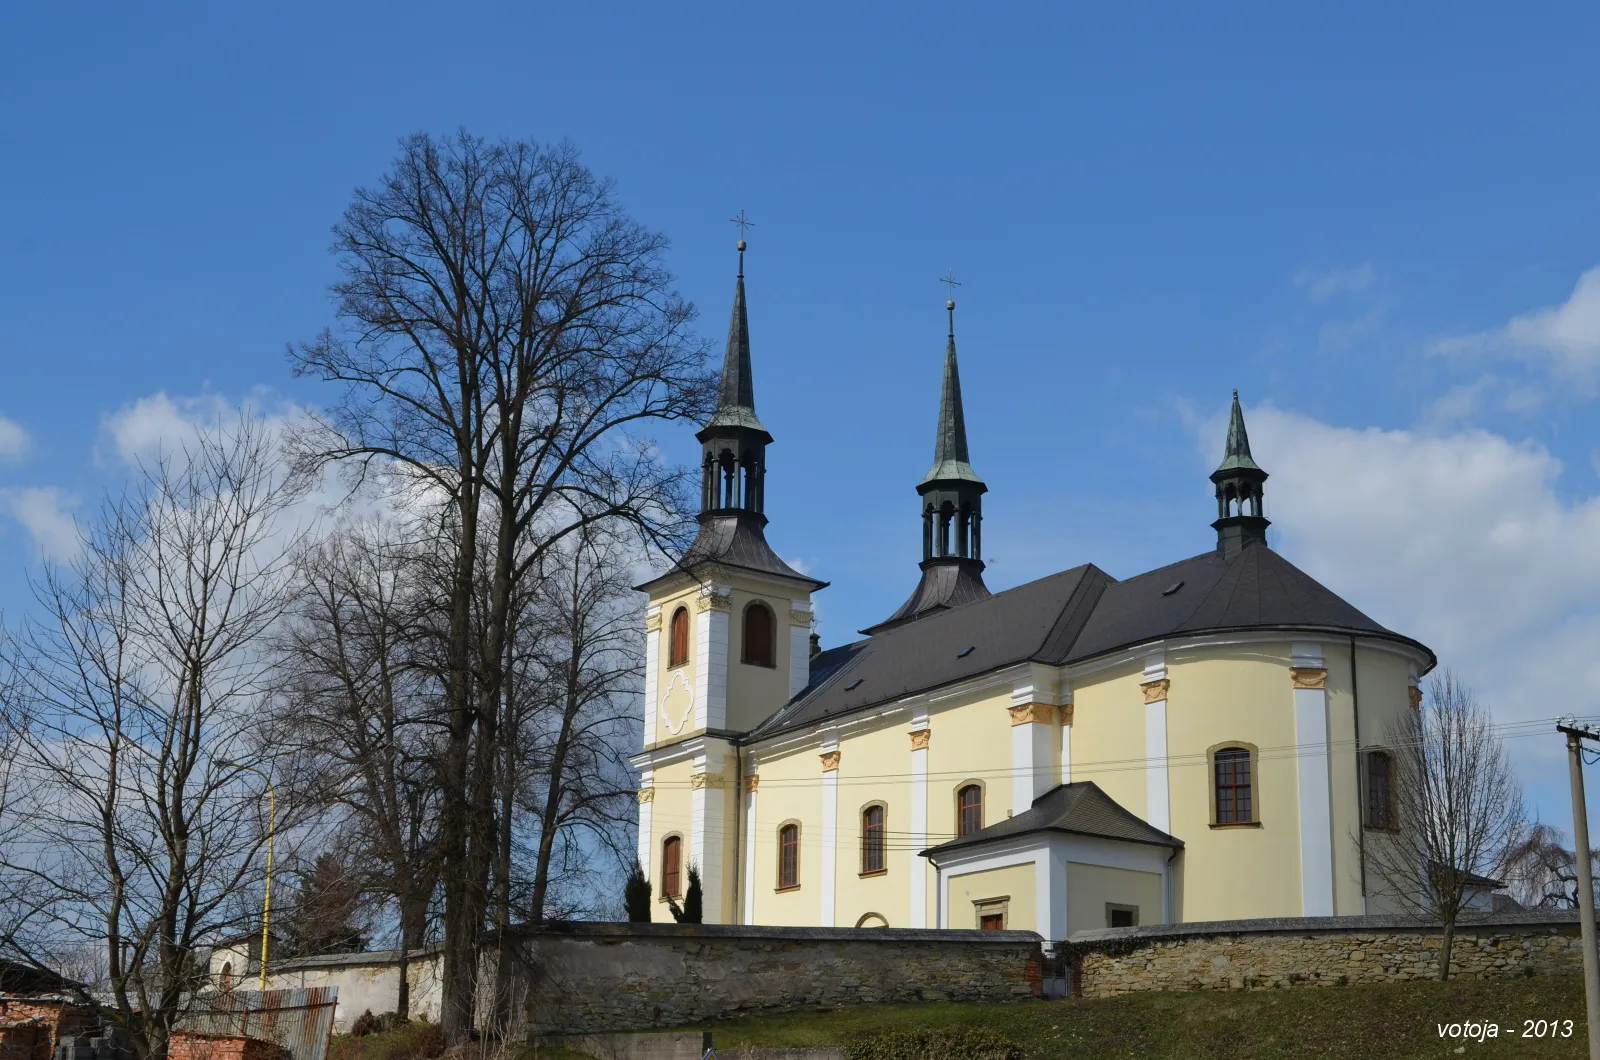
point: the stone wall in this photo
(1318, 951)
(580, 978)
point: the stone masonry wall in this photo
(591, 978)
(1319, 951)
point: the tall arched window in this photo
(1380, 790)
(671, 867)
(872, 860)
(1232, 770)
(969, 810)
(788, 857)
(758, 629)
(678, 638)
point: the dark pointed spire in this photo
(950, 459)
(736, 400)
(952, 509)
(1237, 454)
(1241, 510)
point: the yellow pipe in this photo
(272, 835)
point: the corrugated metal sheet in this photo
(299, 1019)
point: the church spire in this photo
(952, 507)
(1239, 480)
(734, 464)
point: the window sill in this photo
(1391, 830)
(764, 666)
(1236, 824)
(874, 872)
(677, 666)
(785, 890)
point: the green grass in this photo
(1375, 1022)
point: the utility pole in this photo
(1581, 848)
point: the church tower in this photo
(727, 631)
(952, 510)
(1240, 513)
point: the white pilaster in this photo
(918, 866)
(1033, 744)
(1066, 739)
(1311, 764)
(747, 909)
(711, 667)
(706, 809)
(652, 663)
(1157, 782)
(799, 647)
(830, 831)
(646, 814)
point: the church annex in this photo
(1200, 742)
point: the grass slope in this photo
(1373, 1022)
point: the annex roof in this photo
(1077, 809)
(1072, 616)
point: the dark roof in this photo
(1081, 809)
(18, 978)
(734, 539)
(945, 583)
(1072, 616)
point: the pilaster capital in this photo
(752, 782)
(799, 618)
(919, 740)
(830, 761)
(1033, 714)
(652, 623)
(1156, 691)
(1416, 697)
(707, 780)
(1308, 676)
(647, 794)
(712, 600)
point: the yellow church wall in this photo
(1343, 787)
(1235, 695)
(675, 684)
(1108, 734)
(1090, 887)
(669, 815)
(969, 740)
(873, 768)
(1385, 701)
(790, 789)
(754, 692)
(1013, 885)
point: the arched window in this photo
(758, 629)
(1380, 790)
(788, 857)
(671, 866)
(872, 860)
(678, 637)
(969, 810)
(227, 975)
(1234, 802)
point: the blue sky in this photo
(1373, 219)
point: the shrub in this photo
(365, 1024)
(952, 1043)
(385, 1038)
(427, 1042)
(636, 895)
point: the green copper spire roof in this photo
(736, 403)
(1238, 454)
(950, 460)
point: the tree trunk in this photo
(1445, 946)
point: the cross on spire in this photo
(951, 283)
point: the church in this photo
(1204, 741)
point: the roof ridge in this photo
(922, 620)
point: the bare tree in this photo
(507, 330)
(585, 636)
(361, 699)
(1543, 873)
(1458, 807)
(142, 684)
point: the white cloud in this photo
(1567, 334)
(14, 441)
(46, 513)
(160, 424)
(1459, 539)
(1325, 283)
